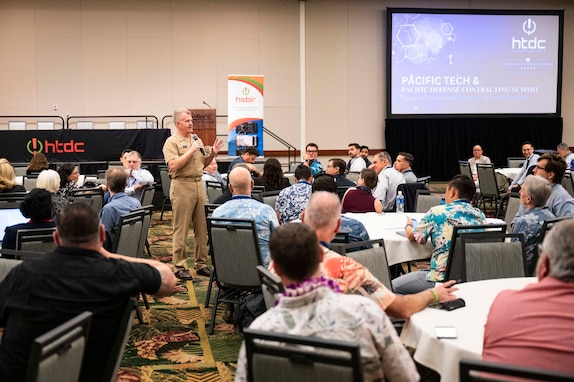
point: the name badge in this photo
(184, 147)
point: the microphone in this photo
(195, 138)
(208, 105)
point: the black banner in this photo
(81, 145)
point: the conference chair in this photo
(290, 176)
(11, 199)
(209, 208)
(214, 190)
(93, 196)
(6, 265)
(15, 254)
(165, 185)
(548, 224)
(568, 183)
(279, 357)
(425, 200)
(515, 162)
(270, 286)
(410, 194)
(257, 191)
(270, 197)
(29, 182)
(121, 336)
(341, 190)
(146, 197)
(512, 206)
(489, 188)
(235, 255)
(454, 263)
(57, 355)
(372, 255)
(36, 239)
(473, 370)
(143, 244)
(353, 176)
(464, 168)
(492, 255)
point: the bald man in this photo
(242, 206)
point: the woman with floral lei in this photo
(312, 306)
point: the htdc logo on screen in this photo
(35, 145)
(528, 27)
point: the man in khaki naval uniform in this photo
(186, 159)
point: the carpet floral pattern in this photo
(173, 344)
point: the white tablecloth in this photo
(385, 226)
(510, 172)
(444, 355)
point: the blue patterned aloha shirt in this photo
(355, 229)
(316, 167)
(438, 225)
(292, 200)
(244, 207)
(530, 224)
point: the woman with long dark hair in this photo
(272, 177)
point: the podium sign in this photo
(204, 125)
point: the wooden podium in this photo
(204, 125)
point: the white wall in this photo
(104, 57)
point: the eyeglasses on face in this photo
(540, 168)
(312, 151)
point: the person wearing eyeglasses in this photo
(552, 168)
(310, 159)
(69, 175)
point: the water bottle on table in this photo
(400, 202)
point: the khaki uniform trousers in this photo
(187, 196)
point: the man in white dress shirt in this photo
(138, 177)
(564, 151)
(356, 163)
(389, 179)
(531, 160)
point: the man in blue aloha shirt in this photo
(438, 224)
(242, 206)
(291, 200)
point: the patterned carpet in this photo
(173, 344)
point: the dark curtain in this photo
(438, 144)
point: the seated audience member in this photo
(361, 199)
(336, 167)
(309, 301)
(120, 203)
(291, 200)
(437, 224)
(38, 163)
(310, 159)
(78, 276)
(124, 157)
(356, 163)
(552, 168)
(69, 175)
(36, 206)
(568, 156)
(403, 164)
(248, 156)
(323, 215)
(365, 155)
(138, 177)
(354, 228)
(226, 196)
(272, 178)
(531, 159)
(477, 158)
(531, 327)
(389, 180)
(533, 196)
(211, 174)
(242, 206)
(8, 178)
(49, 180)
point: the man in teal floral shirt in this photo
(438, 224)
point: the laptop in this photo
(10, 217)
